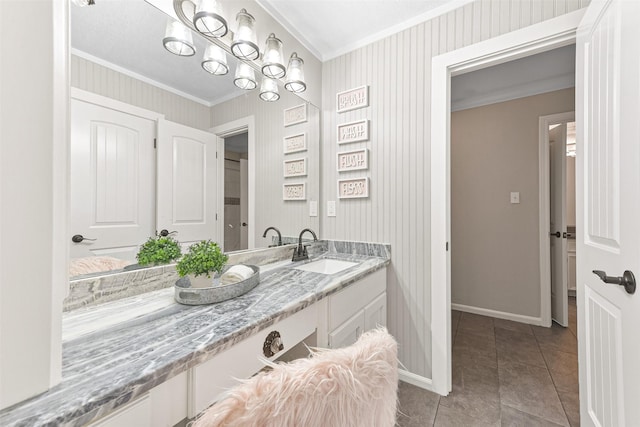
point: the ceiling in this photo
(544, 72)
(329, 28)
(126, 35)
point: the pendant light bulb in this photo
(269, 90)
(245, 77)
(215, 61)
(244, 40)
(178, 39)
(208, 19)
(273, 66)
(295, 75)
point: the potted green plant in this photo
(159, 250)
(201, 260)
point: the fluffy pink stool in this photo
(352, 386)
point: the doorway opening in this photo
(236, 189)
(549, 35)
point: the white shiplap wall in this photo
(92, 77)
(289, 216)
(398, 72)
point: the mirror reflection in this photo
(158, 144)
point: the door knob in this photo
(627, 280)
(244, 224)
(79, 238)
(557, 234)
(165, 232)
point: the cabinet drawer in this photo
(354, 298)
(348, 332)
(211, 379)
(134, 414)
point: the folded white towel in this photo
(235, 274)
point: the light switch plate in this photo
(331, 208)
(313, 208)
(515, 197)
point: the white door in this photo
(244, 204)
(608, 211)
(558, 226)
(112, 181)
(187, 183)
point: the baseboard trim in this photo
(499, 314)
(415, 380)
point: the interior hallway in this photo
(504, 373)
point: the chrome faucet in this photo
(277, 231)
(300, 253)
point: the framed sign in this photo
(294, 191)
(353, 188)
(352, 99)
(353, 160)
(295, 167)
(295, 115)
(353, 131)
(295, 143)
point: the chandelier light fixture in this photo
(178, 39)
(245, 76)
(205, 17)
(269, 90)
(215, 61)
(244, 40)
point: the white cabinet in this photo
(347, 333)
(136, 413)
(163, 406)
(214, 377)
(356, 309)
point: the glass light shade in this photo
(245, 77)
(215, 61)
(295, 75)
(83, 3)
(269, 90)
(208, 19)
(178, 40)
(244, 40)
(273, 66)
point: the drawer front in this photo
(354, 298)
(211, 379)
(348, 332)
(134, 414)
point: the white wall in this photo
(33, 125)
(398, 71)
(495, 254)
(89, 76)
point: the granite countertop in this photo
(107, 367)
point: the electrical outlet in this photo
(515, 197)
(313, 208)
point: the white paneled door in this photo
(608, 215)
(187, 183)
(558, 226)
(112, 181)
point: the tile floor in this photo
(504, 374)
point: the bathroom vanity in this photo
(124, 364)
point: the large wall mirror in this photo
(157, 143)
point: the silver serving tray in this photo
(185, 294)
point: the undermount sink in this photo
(326, 266)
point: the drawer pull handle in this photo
(272, 344)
